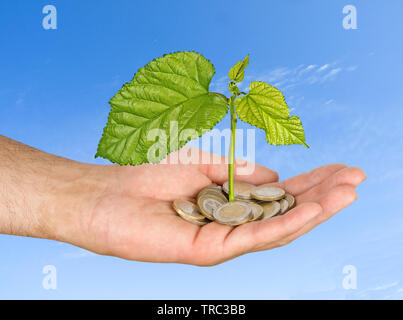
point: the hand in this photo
(134, 219)
(127, 211)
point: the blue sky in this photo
(346, 86)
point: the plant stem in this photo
(220, 95)
(231, 150)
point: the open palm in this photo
(134, 219)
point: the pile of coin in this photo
(251, 203)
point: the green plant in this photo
(175, 87)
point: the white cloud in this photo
(385, 286)
(284, 78)
(324, 67)
(331, 74)
(384, 291)
(21, 97)
(287, 77)
(308, 68)
(351, 68)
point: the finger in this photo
(208, 243)
(332, 202)
(305, 181)
(259, 234)
(352, 176)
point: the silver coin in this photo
(245, 200)
(196, 222)
(233, 213)
(291, 200)
(267, 193)
(284, 206)
(188, 210)
(270, 209)
(257, 211)
(241, 189)
(213, 192)
(213, 188)
(208, 204)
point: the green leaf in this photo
(169, 91)
(237, 72)
(264, 107)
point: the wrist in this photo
(46, 196)
(75, 196)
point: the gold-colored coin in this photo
(270, 209)
(291, 200)
(208, 204)
(188, 210)
(233, 213)
(257, 211)
(241, 189)
(267, 193)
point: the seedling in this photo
(175, 87)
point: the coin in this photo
(208, 204)
(284, 206)
(233, 213)
(199, 223)
(267, 193)
(257, 211)
(213, 192)
(187, 210)
(270, 209)
(291, 200)
(212, 187)
(196, 222)
(241, 189)
(245, 200)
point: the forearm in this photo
(46, 196)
